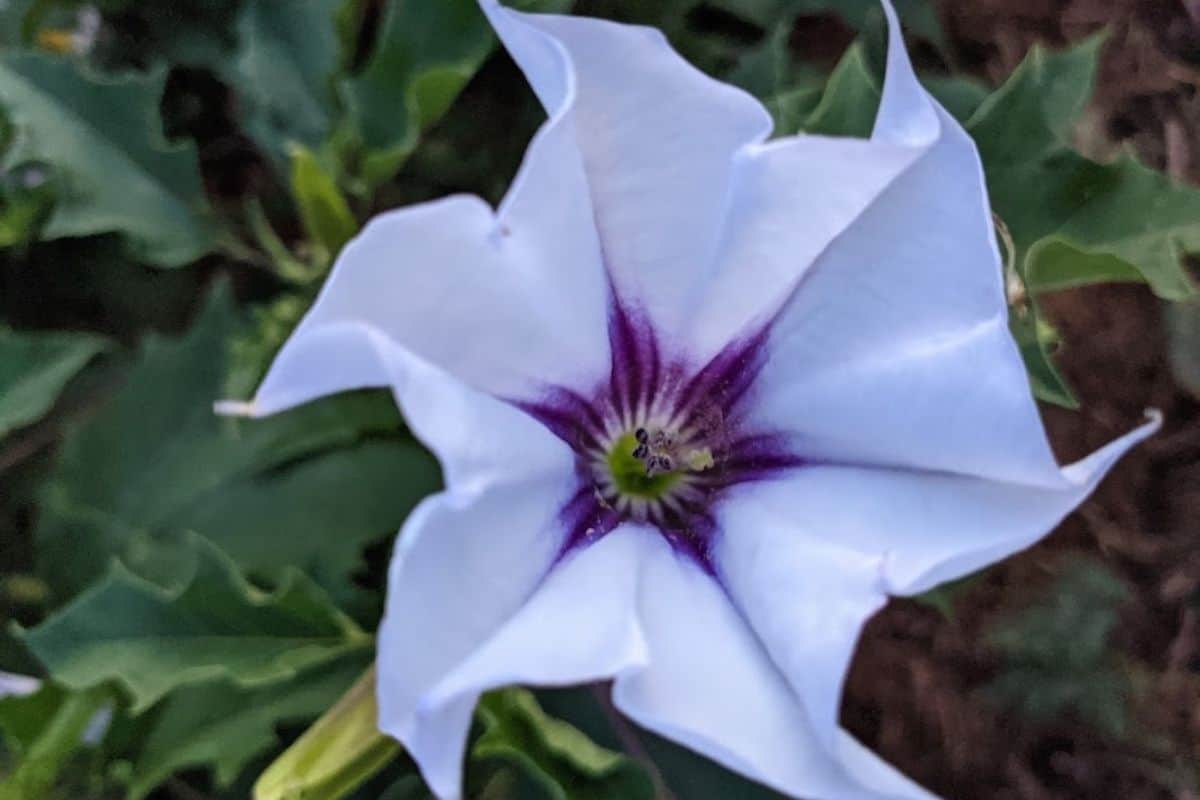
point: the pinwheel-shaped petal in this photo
(703, 402)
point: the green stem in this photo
(38, 769)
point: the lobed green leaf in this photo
(114, 172)
(34, 368)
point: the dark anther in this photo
(641, 435)
(641, 451)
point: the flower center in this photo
(650, 472)
(636, 472)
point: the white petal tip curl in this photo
(235, 408)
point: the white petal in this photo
(894, 348)
(467, 559)
(810, 557)
(711, 687)
(506, 304)
(507, 301)
(793, 196)
(929, 527)
(807, 559)
(657, 139)
(803, 593)
(580, 625)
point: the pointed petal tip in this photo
(236, 408)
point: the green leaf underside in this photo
(285, 71)
(424, 55)
(1183, 326)
(308, 488)
(152, 640)
(1075, 221)
(851, 98)
(225, 726)
(323, 208)
(112, 168)
(34, 368)
(565, 763)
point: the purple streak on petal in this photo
(568, 416)
(692, 535)
(625, 377)
(585, 519)
(756, 457)
(724, 381)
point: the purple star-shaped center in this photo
(661, 439)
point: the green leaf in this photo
(1055, 655)
(424, 55)
(226, 726)
(324, 211)
(152, 640)
(104, 141)
(1037, 341)
(336, 755)
(683, 772)
(1075, 221)
(960, 95)
(290, 52)
(847, 107)
(308, 488)
(34, 368)
(567, 764)
(63, 718)
(23, 717)
(1183, 326)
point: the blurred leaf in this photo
(324, 211)
(192, 33)
(152, 640)
(1183, 325)
(26, 202)
(290, 52)
(308, 488)
(1056, 655)
(919, 16)
(34, 368)
(104, 141)
(224, 726)
(1075, 221)
(851, 97)
(14, 30)
(567, 764)
(23, 717)
(410, 787)
(336, 755)
(64, 718)
(1037, 341)
(683, 772)
(252, 350)
(960, 95)
(424, 55)
(91, 283)
(944, 597)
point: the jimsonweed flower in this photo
(702, 400)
